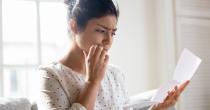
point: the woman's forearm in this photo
(87, 95)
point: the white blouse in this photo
(59, 87)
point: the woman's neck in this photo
(75, 59)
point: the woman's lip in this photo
(105, 49)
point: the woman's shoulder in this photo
(47, 66)
(54, 68)
(58, 69)
(109, 65)
(116, 71)
(114, 68)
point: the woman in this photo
(83, 79)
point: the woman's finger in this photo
(92, 51)
(98, 52)
(173, 101)
(173, 90)
(183, 86)
(102, 56)
(106, 60)
(177, 93)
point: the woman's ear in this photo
(73, 26)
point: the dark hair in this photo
(84, 10)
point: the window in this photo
(34, 32)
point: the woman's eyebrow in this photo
(106, 27)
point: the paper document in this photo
(186, 67)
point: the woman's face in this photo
(97, 32)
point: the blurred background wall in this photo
(150, 39)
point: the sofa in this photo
(19, 103)
(22, 103)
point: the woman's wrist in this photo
(92, 83)
(87, 95)
(155, 107)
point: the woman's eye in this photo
(100, 31)
(113, 34)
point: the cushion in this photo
(34, 106)
(14, 103)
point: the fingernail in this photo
(96, 46)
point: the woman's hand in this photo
(172, 97)
(96, 64)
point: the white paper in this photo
(162, 91)
(186, 67)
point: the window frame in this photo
(2, 66)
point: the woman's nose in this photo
(108, 39)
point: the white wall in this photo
(140, 46)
